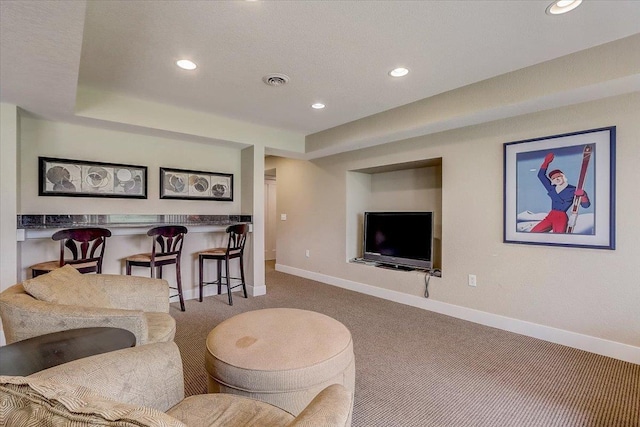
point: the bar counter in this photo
(38, 226)
(129, 236)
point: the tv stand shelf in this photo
(397, 267)
(433, 272)
(362, 261)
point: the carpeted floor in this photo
(418, 368)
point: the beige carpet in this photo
(418, 368)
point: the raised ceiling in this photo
(335, 52)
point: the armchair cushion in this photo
(67, 286)
(228, 410)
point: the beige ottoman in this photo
(282, 356)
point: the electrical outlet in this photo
(283, 217)
(472, 280)
(307, 253)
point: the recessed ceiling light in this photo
(398, 72)
(318, 106)
(559, 7)
(185, 64)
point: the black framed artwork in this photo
(195, 185)
(81, 178)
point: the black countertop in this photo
(45, 221)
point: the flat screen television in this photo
(399, 239)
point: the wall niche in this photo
(409, 186)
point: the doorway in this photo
(270, 215)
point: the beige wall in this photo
(54, 139)
(9, 169)
(583, 291)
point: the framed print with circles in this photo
(195, 185)
(81, 178)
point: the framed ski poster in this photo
(560, 190)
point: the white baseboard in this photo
(614, 349)
(257, 291)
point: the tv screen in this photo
(399, 238)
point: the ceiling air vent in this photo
(276, 79)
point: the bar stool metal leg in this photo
(244, 286)
(226, 266)
(179, 282)
(200, 274)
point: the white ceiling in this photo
(335, 52)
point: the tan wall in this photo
(586, 291)
(54, 139)
(9, 135)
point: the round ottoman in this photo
(281, 356)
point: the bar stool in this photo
(86, 246)
(235, 249)
(166, 249)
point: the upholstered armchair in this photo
(143, 386)
(65, 299)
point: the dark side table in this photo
(38, 353)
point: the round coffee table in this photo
(282, 356)
(35, 354)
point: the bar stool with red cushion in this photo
(86, 246)
(235, 249)
(166, 249)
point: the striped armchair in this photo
(65, 299)
(144, 386)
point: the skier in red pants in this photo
(561, 194)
